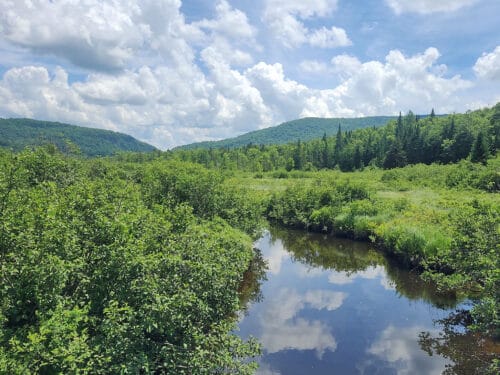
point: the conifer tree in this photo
(479, 152)
(396, 156)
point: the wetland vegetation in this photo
(139, 263)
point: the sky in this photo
(172, 72)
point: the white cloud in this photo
(324, 299)
(427, 6)
(230, 22)
(113, 36)
(329, 38)
(285, 21)
(400, 83)
(31, 92)
(91, 34)
(400, 348)
(285, 97)
(298, 335)
(178, 103)
(345, 65)
(488, 65)
(169, 82)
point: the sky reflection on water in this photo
(333, 306)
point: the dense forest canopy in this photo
(16, 134)
(305, 129)
(406, 140)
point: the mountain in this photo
(304, 129)
(19, 133)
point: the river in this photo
(333, 306)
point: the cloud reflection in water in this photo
(399, 348)
(282, 329)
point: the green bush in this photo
(111, 272)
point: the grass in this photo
(408, 210)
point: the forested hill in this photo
(304, 129)
(407, 139)
(19, 133)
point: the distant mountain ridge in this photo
(18, 133)
(304, 129)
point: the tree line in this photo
(407, 140)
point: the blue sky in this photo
(171, 72)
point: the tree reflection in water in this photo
(250, 287)
(469, 352)
(280, 322)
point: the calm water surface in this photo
(333, 306)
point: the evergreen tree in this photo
(479, 152)
(399, 127)
(462, 145)
(357, 158)
(396, 157)
(495, 128)
(338, 146)
(298, 156)
(324, 155)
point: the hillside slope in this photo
(304, 129)
(19, 133)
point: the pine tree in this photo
(480, 151)
(338, 146)
(324, 153)
(396, 157)
(399, 127)
(495, 128)
(298, 156)
(357, 161)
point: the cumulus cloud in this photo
(150, 73)
(111, 36)
(232, 23)
(345, 65)
(171, 105)
(285, 96)
(91, 34)
(401, 82)
(329, 38)
(374, 87)
(427, 6)
(32, 92)
(488, 65)
(285, 21)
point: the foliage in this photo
(305, 129)
(469, 352)
(17, 134)
(103, 274)
(406, 140)
(443, 220)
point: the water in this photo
(333, 306)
